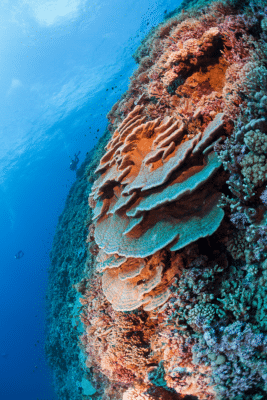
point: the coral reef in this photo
(70, 259)
(173, 292)
(166, 229)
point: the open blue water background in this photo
(63, 65)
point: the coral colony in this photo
(174, 290)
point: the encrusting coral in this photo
(178, 235)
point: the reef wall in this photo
(69, 257)
(173, 290)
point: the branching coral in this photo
(237, 358)
(243, 155)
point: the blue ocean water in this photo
(63, 65)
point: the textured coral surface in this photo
(173, 299)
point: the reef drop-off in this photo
(163, 265)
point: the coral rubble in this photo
(174, 294)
